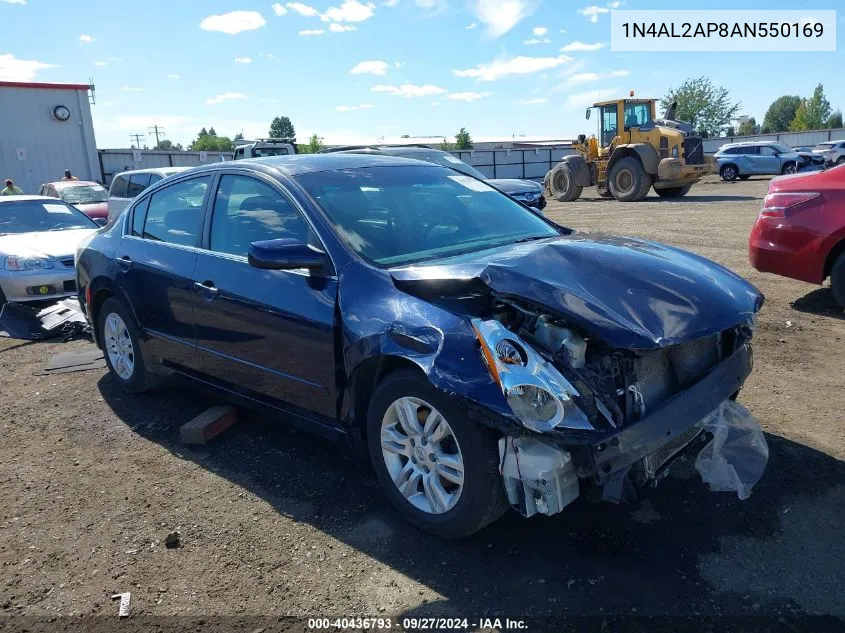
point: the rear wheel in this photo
(673, 192)
(837, 279)
(438, 468)
(628, 181)
(729, 172)
(560, 183)
(119, 338)
(789, 168)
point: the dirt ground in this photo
(273, 521)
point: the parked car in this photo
(743, 160)
(800, 232)
(421, 316)
(128, 184)
(38, 238)
(832, 152)
(528, 192)
(86, 195)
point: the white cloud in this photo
(131, 89)
(302, 9)
(500, 16)
(349, 11)
(581, 46)
(583, 99)
(432, 6)
(470, 27)
(86, 39)
(226, 96)
(520, 65)
(469, 96)
(99, 62)
(334, 27)
(534, 41)
(278, 9)
(233, 22)
(390, 3)
(173, 76)
(243, 60)
(409, 90)
(13, 69)
(271, 57)
(362, 106)
(374, 67)
(615, 5)
(531, 101)
(14, 1)
(540, 31)
(312, 32)
(592, 12)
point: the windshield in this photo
(83, 194)
(28, 216)
(782, 148)
(263, 152)
(406, 214)
(447, 160)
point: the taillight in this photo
(776, 204)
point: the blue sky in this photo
(357, 71)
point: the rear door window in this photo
(139, 214)
(137, 183)
(766, 150)
(118, 187)
(174, 214)
(154, 178)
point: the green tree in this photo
(164, 144)
(446, 146)
(835, 119)
(812, 113)
(463, 139)
(748, 128)
(281, 127)
(239, 136)
(706, 107)
(780, 114)
(208, 142)
(730, 131)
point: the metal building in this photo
(46, 128)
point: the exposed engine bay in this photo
(556, 377)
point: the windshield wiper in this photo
(532, 238)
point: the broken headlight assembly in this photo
(539, 396)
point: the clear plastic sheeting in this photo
(734, 460)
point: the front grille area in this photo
(693, 150)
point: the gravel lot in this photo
(275, 522)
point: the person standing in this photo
(69, 176)
(11, 189)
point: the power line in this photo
(137, 138)
(157, 130)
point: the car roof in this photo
(153, 170)
(293, 165)
(748, 143)
(59, 184)
(24, 198)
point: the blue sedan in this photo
(477, 354)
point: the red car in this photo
(86, 195)
(800, 232)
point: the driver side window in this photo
(768, 151)
(609, 124)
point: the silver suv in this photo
(743, 160)
(833, 152)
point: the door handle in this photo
(124, 261)
(206, 288)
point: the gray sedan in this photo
(38, 240)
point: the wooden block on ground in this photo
(208, 424)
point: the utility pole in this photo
(157, 130)
(137, 138)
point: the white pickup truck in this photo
(263, 147)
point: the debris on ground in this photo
(172, 540)
(208, 424)
(89, 357)
(123, 607)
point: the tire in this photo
(837, 279)
(560, 183)
(673, 192)
(729, 172)
(840, 160)
(788, 168)
(746, 177)
(480, 499)
(628, 181)
(116, 353)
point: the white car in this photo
(39, 236)
(833, 152)
(126, 185)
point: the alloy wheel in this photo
(422, 455)
(118, 344)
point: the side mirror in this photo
(285, 254)
(589, 112)
(101, 221)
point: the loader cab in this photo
(630, 114)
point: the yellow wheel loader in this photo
(632, 153)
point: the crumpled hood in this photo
(513, 185)
(43, 243)
(631, 293)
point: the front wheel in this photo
(628, 180)
(560, 184)
(119, 338)
(789, 168)
(438, 468)
(837, 279)
(729, 172)
(673, 192)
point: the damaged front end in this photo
(600, 421)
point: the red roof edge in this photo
(46, 86)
